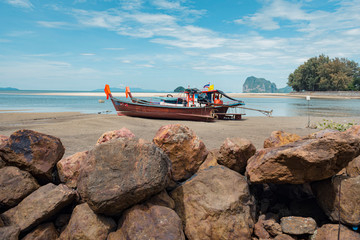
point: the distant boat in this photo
(101, 101)
(205, 105)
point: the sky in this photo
(82, 45)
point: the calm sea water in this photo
(90, 104)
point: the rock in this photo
(62, 221)
(308, 208)
(3, 140)
(39, 206)
(353, 168)
(280, 138)
(15, 185)
(283, 237)
(323, 133)
(259, 229)
(215, 204)
(272, 227)
(211, 160)
(298, 225)
(147, 221)
(185, 150)
(354, 131)
(235, 152)
(44, 231)
(121, 133)
(85, 224)
(162, 199)
(330, 232)
(304, 160)
(9, 233)
(121, 173)
(34, 152)
(69, 168)
(327, 194)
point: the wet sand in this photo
(79, 132)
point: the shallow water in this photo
(284, 107)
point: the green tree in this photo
(325, 74)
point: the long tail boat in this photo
(205, 105)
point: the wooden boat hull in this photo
(167, 112)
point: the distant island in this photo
(261, 85)
(8, 89)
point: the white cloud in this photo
(87, 54)
(20, 3)
(52, 24)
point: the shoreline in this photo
(318, 95)
(79, 132)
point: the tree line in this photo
(324, 74)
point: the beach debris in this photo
(121, 133)
(184, 148)
(280, 138)
(303, 161)
(69, 168)
(353, 168)
(39, 206)
(331, 232)
(153, 221)
(298, 225)
(34, 152)
(121, 173)
(44, 231)
(327, 195)
(215, 204)
(85, 224)
(235, 152)
(15, 185)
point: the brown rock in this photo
(62, 221)
(280, 138)
(298, 225)
(149, 221)
(327, 194)
(185, 150)
(85, 224)
(34, 152)
(330, 232)
(3, 140)
(162, 199)
(323, 133)
(39, 206)
(9, 233)
(44, 231)
(121, 133)
(272, 227)
(215, 204)
(259, 229)
(235, 152)
(2, 163)
(69, 168)
(211, 160)
(354, 131)
(304, 160)
(283, 237)
(121, 173)
(15, 185)
(353, 168)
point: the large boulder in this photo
(121, 133)
(121, 173)
(34, 152)
(15, 185)
(69, 168)
(85, 224)
(327, 194)
(280, 138)
(147, 221)
(185, 150)
(330, 232)
(211, 160)
(354, 130)
(44, 231)
(235, 152)
(353, 168)
(304, 160)
(9, 233)
(298, 225)
(39, 206)
(215, 204)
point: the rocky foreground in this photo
(175, 188)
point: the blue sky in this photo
(163, 44)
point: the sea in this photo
(31, 101)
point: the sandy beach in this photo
(79, 132)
